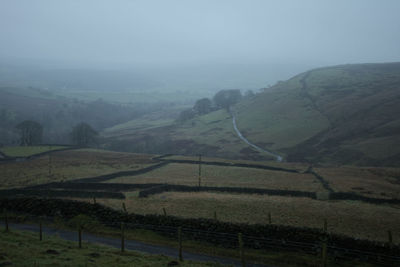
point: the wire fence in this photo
(230, 240)
(334, 252)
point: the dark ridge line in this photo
(17, 193)
(229, 164)
(106, 177)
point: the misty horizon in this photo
(199, 44)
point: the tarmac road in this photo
(278, 158)
(130, 245)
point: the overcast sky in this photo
(165, 32)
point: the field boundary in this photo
(227, 164)
(271, 237)
(324, 183)
(106, 177)
(59, 193)
(34, 156)
(93, 187)
(101, 190)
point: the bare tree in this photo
(31, 132)
(83, 134)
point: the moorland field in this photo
(355, 218)
(336, 128)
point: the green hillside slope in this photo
(345, 114)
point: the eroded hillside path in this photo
(240, 135)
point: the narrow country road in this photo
(278, 158)
(131, 245)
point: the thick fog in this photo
(244, 43)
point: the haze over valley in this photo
(205, 131)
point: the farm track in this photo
(244, 139)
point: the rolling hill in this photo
(346, 114)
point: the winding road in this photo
(239, 134)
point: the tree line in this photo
(223, 99)
(31, 133)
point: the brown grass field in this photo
(351, 218)
(288, 165)
(187, 174)
(69, 165)
(371, 182)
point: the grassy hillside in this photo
(53, 251)
(344, 114)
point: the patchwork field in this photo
(348, 217)
(68, 165)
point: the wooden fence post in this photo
(390, 238)
(122, 237)
(124, 207)
(180, 243)
(80, 236)
(325, 245)
(240, 238)
(6, 219)
(164, 211)
(40, 231)
(200, 170)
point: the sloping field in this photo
(372, 182)
(187, 174)
(351, 218)
(343, 114)
(68, 165)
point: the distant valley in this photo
(344, 114)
